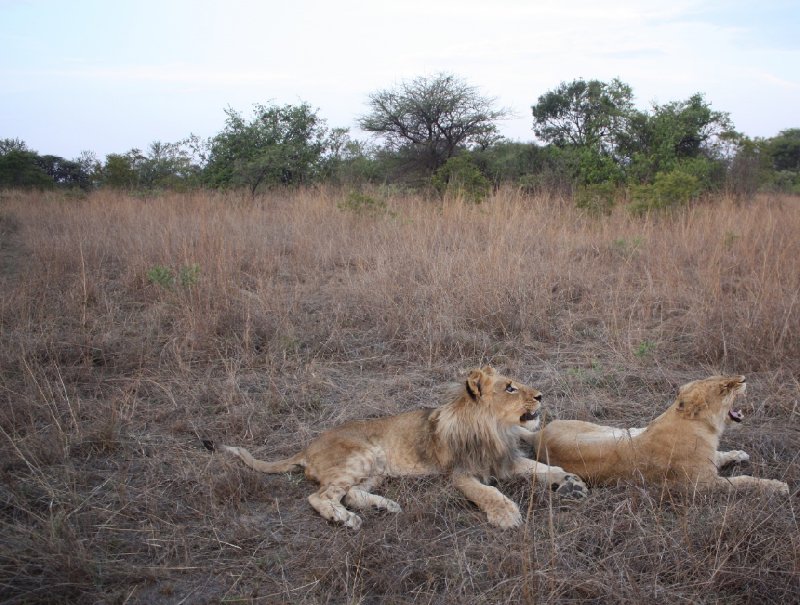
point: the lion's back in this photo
(390, 445)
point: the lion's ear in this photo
(689, 408)
(731, 384)
(476, 381)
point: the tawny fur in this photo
(472, 438)
(677, 448)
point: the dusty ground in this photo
(270, 320)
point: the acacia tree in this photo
(430, 118)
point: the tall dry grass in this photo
(305, 313)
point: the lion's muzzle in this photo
(528, 416)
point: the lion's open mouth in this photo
(736, 415)
(528, 416)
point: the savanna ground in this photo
(133, 328)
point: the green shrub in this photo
(645, 349)
(362, 204)
(189, 275)
(596, 198)
(784, 181)
(460, 177)
(165, 277)
(669, 190)
(161, 276)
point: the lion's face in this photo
(512, 402)
(712, 398)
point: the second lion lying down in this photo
(677, 448)
(472, 438)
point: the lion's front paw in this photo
(571, 487)
(505, 514)
(739, 456)
(732, 457)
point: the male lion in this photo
(472, 438)
(677, 448)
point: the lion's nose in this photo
(538, 397)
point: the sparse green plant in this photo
(594, 376)
(189, 275)
(165, 277)
(161, 276)
(730, 238)
(627, 247)
(645, 349)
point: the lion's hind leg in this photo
(359, 498)
(350, 480)
(327, 501)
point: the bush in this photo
(460, 177)
(362, 204)
(669, 190)
(507, 162)
(597, 198)
(161, 275)
(784, 181)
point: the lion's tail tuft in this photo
(279, 466)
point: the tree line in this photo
(440, 133)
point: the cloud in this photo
(780, 82)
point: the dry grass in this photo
(305, 315)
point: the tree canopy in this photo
(278, 145)
(784, 150)
(586, 114)
(431, 118)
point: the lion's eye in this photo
(511, 389)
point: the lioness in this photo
(472, 438)
(679, 447)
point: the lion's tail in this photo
(279, 466)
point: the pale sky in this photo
(108, 76)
